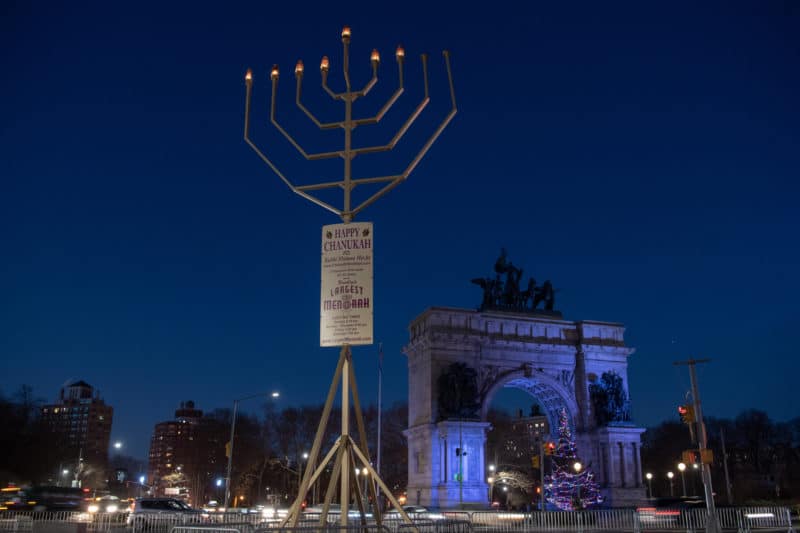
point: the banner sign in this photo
(346, 299)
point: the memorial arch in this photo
(556, 361)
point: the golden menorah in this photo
(348, 124)
(346, 455)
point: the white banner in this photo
(345, 315)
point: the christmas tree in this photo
(570, 486)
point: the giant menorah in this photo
(346, 454)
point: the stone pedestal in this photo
(619, 466)
(445, 464)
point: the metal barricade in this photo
(754, 518)
(327, 528)
(219, 528)
(730, 519)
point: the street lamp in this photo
(118, 445)
(649, 477)
(491, 484)
(578, 466)
(682, 469)
(670, 475)
(365, 473)
(273, 394)
(300, 469)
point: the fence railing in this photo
(739, 519)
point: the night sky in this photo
(643, 156)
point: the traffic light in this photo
(691, 457)
(707, 456)
(549, 448)
(697, 457)
(687, 413)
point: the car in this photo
(334, 511)
(415, 511)
(163, 513)
(105, 504)
(44, 498)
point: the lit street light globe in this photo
(681, 467)
(276, 394)
(118, 445)
(577, 466)
(141, 480)
(670, 475)
(219, 482)
(491, 468)
(649, 476)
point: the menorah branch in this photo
(298, 101)
(310, 157)
(348, 124)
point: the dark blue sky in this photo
(643, 156)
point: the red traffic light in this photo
(687, 413)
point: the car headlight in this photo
(112, 508)
(93, 508)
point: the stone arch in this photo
(548, 357)
(551, 394)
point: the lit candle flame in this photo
(323, 65)
(274, 74)
(400, 53)
(346, 32)
(375, 56)
(298, 69)
(249, 75)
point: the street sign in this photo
(346, 301)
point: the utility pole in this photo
(711, 524)
(725, 464)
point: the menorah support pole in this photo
(296, 508)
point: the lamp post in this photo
(300, 468)
(273, 394)
(670, 475)
(491, 485)
(578, 467)
(682, 469)
(649, 477)
(365, 473)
